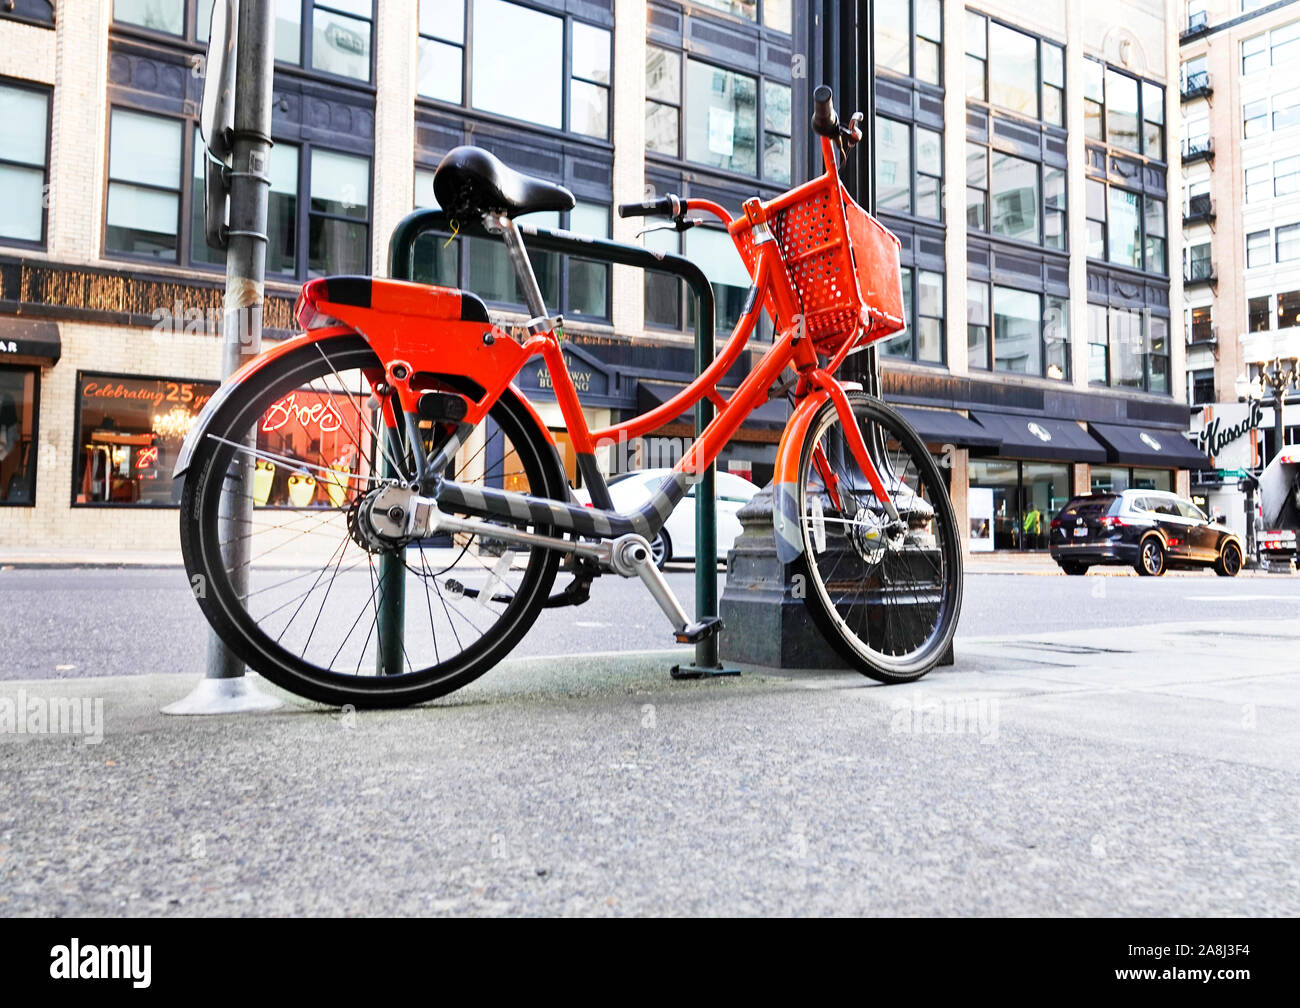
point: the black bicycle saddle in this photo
(470, 182)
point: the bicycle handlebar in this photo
(667, 206)
(824, 120)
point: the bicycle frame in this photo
(483, 361)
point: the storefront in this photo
(1013, 496)
(25, 347)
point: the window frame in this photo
(914, 172)
(913, 35)
(1143, 235)
(48, 93)
(34, 474)
(913, 274)
(79, 378)
(182, 202)
(306, 8)
(191, 190)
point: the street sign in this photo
(1238, 474)
(217, 121)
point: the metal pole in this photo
(225, 688)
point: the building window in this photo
(1254, 53)
(1286, 176)
(1128, 348)
(1259, 315)
(1258, 249)
(1026, 496)
(1288, 309)
(505, 31)
(776, 13)
(589, 80)
(1256, 187)
(1123, 110)
(338, 229)
(923, 297)
(337, 40)
(1200, 325)
(721, 118)
(1030, 331)
(144, 183)
(1286, 109)
(1288, 243)
(776, 132)
(899, 145)
(718, 117)
(129, 434)
(20, 410)
(156, 15)
(1198, 262)
(441, 50)
(663, 291)
(1098, 345)
(1015, 198)
(909, 37)
(663, 88)
(1284, 45)
(1201, 389)
(1126, 228)
(1017, 333)
(1254, 118)
(716, 254)
(24, 157)
(978, 343)
(1026, 75)
(977, 56)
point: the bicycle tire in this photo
(872, 574)
(236, 626)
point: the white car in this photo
(676, 541)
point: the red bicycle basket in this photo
(841, 264)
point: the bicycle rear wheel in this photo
(886, 596)
(302, 439)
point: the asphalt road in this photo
(60, 622)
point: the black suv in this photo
(1148, 530)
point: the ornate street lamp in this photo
(1280, 375)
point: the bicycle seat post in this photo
(522, 265)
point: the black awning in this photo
(946, 427)
(1158, 447)
(1039, 437)
(649, 394)
(29, 338)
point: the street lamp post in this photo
(1279, 375)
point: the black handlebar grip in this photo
(664, 205)
(824, 121)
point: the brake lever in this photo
(675, 224)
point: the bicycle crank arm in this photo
(628, 556)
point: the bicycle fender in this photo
(213, 405)
(785, 479)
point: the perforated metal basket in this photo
(841, 264)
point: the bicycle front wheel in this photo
(885, 594)
(300, 582)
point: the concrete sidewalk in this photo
(1043, 774)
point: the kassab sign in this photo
(1216, 435)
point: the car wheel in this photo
(1151, 558)
(661, 549)
(1073, 567)
(1229, 562)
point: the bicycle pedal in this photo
(700, 630)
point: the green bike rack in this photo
(401, 266)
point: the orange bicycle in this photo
(389, 436)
